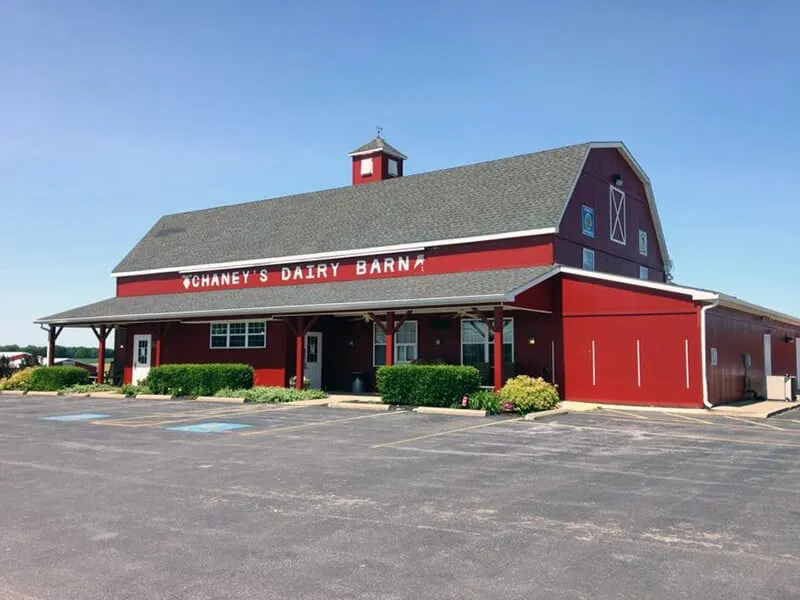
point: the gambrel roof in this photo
(509, 197)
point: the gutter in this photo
(704, 355)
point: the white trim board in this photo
(352, 253)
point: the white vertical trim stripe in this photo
(638, 365)
(553, 361)
(686, 353)
(594, 367)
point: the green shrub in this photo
(528, 394)
(132, 390)
(427, 385)
(89, 388)
(198, 380)
(53, 379)
(484, 400)
(21, 380)
(270, 395)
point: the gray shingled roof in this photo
(426, 290)
(511, 194)
(379, 144)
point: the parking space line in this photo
(691, 418)
(754, 422)
(319, 423)
(449, 431)
(198, 415)
(627, 414)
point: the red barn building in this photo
(551, 264)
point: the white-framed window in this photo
(587, 220)
(477, 342)
(238, 334)
(405, 344)
(643, 273)
(366, 167)
(642, 242)
(617, 215)
(588, 259)
(391, 167)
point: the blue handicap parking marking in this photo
(209, 427)
(78, 417)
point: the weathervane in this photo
(378, 130)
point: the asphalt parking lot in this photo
(325, 503)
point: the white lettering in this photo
(262, 276)
(246, 275)
(298, 273)
(361, 268)
(376, 266)
(225, 279)
(215, 279)
(195, 280)
(335, 269)
(322, 271)
(286, 273)
(310, 274)
(403, 263)
(205, 280)
(388, 265)
(235, 278)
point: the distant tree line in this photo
(61, 351)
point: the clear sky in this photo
(114, 113)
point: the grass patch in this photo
(272, 395)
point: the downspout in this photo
(704, 355)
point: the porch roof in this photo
(476, 287)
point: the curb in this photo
(44, 393)
(777, 411)
(12, 392)
(538, 416)
(220, 399)
(77, 395)
(153, 397)
(107, 395)
(317, 402)
(459, 412)
(359, 406)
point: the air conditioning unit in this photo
(781, 387)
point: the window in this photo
(239, 334)
(477, 342)
(588, 259)
(714, 357)
(587, 221)
(642, 242)
(405, 344)
(366, 166)
(643, 274)
(619, 228)
(391, 167)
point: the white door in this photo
(142, 353)
(312, 368)
(767, 355)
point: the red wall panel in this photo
(734, 334)
(592, 190)
(501, 254)
(601, 327)
(380, 169)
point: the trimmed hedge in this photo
(427, 385)
(528, 394)
(198, 380)
(53, 379)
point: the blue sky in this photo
(114, 113)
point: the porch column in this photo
(389, 338)
(498, 348)
(101, 354)
(52, 335)
(299, 334)
(157, 349)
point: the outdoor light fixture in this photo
(438, 342)
(351, 343)
(788, 339)
(531, 341)
(618, 180)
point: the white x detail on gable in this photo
(618, 229)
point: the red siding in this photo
(735, 334)
(380, 168)
(592, 190)
(501, 254)
(614, 319)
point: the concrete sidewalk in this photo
(759, 409)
